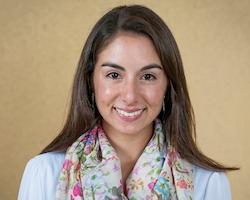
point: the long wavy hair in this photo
(178, 118)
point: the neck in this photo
(129, 146)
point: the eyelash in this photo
(151, 78)
(111, 75)
(144, 77)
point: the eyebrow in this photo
(149, 66)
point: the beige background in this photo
(40, 43)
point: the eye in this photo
(113, 75)
(148, 77)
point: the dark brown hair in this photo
(178, 119)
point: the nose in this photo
(129, 92)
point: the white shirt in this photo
(41, 174)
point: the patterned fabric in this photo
(92, 170)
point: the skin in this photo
(129, 77)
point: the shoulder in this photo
(50, 159)
(45, 164)
(211, 185)
(40, 176)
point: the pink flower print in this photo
(113, 157)
(182, 184)
(67, 164)
(169, 162)
(164, 173)
(77, 190)
(152, 184)
(173, 155)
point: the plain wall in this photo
(40, 44)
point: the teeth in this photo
(129, 114)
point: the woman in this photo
(130, 129)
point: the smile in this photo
(124, 113)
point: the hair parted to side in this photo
(178, 118)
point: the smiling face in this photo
(129, 84)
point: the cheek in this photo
(154, 97)
(103, 91)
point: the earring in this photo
(163, 105)
(93, 102)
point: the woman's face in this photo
(129, 84)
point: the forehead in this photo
(129, 48)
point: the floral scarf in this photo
(92, 170)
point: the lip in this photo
(137, 113)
